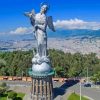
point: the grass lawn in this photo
(74, 96)
(19, 96)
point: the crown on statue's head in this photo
(45, 4)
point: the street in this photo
(60, 89)
(87, 91)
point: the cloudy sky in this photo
(67, 14)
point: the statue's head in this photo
(44, 8)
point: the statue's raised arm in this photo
(31, 15)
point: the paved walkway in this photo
(27, 97)
(63, 97)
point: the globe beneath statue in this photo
(43, 68)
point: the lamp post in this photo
(87, 74)
(80, 87)
(80, 91)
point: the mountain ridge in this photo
(58, 34)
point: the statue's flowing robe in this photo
(40, 34)
(40, 23)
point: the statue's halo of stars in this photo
(45, 4)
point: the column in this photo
(32, 90)
(36, 89)
(45, 90)
(33, 87)
(41, 92)
(48, 90)
(51, 88)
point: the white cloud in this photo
(76, 24)
(62, 24)
(22, 30)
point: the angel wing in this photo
(31, 15)
(50, 23)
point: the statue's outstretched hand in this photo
(29, 14)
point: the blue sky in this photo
(11, 12)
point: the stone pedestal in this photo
(42, 87)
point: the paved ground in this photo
(61, 90)
(87, 91)
(27, 97)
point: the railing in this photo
(29, 79)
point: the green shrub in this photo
(2, 90)
(12, 95)
(3, 84)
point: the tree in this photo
(65, 64)
(96, 77)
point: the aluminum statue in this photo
(40, 22)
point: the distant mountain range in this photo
(73, 33)
(58, 34)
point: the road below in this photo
(61, 90)
(87, 91)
